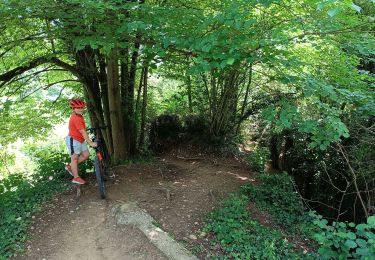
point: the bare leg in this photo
(74, 164)
(77, 159)
(83, 156)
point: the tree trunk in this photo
(104, 94)
(86, 65)
(247, 91)
(114, 98)
(190, 102)
(144, 107)
(130, 101)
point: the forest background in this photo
(291, 80)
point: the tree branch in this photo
(9, 75)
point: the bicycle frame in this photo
(100, 164)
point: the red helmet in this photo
(77, 103)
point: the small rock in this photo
(193, 237)
(202, 234)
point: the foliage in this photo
(225, 53)
(21, 195)
(6, 159)
(342, 240)
(195, 125)
(276, 195)
(242, 237)
(331, 181)
(258, 158)
(27, 117)
(164, 132)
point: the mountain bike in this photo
(101, 163)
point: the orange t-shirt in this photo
(76, 123)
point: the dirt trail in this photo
(177, 190)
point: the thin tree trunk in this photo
(130, 100)
(144, 108)
(137, 103)
(245, 99)
(107, 132)
(114, 98)
(190, 102)
(125, 79)
(86, 64)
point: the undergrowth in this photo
(258, 159)
(239, 236)
(22, 195)
(277, 196)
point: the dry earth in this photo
(177, 190)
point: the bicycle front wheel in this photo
(99, 173)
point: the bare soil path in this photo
(177, 190)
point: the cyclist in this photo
(75, 141)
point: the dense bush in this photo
(331, 180)
(164, 132)
(342, 240)
(195, 125)
(258, 159)
(241, 237)
(21, 195)
(276, 195)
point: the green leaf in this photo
(371, 221)
(351, 235)
(361, 242)
(361, 227)
(350, 244)
(363, 252)
(319, 238)
(333, 12)
(230, 61)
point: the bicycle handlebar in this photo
(92, 129)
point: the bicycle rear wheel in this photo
(99, 173)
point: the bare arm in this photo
(87, 139)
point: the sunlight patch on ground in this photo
(242, 178)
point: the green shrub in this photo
(276, 195)
(22, 194)
(258, 159)
(345, 240)
(241, 237)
